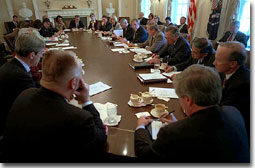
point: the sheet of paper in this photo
(163, 92)
(155, 127)
(118, 49)
(62, 45)
(97, 88)
(118, 32)
(120, 45)
(51, 49)
(67, 30)
(141, 50)
(151, 76)
(51, 44)
(69, 48)
(138, 115)
(169, 74)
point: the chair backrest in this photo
(99, 24)
(248, 59)
(9, 39)
(6, 25)
(127, 18)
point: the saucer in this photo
(136, 105)
(137, 60)
(155, 114)
(149, 102)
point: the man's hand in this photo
(143, 121)
(131, 45)
(173, 76)
(82, 93)
(123, 40)
(154, 60)
(169, 69)
(169, 119)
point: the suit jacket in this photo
(128, 33)
(140, 35)
(47, 32)
(12, 26)
(143, 21)
(106, 27)
(43, 127)
(241, 37)
(154, 43)
(73, 24)
(13, 80)
(177, 53)
(95, 25)
(212, 135)
(237, 93)
(184, 28)
(207, 61)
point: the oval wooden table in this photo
(112, 68)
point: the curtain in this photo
(228, 13)
(169, 8)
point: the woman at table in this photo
(60, 25)
(115, 25)
(93, 24)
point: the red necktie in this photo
(230, 37)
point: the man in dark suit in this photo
(128, 31)
(202, 53)
(44, 127)
(140, 34)
(76, 23)
(105, 25)
(234, 34)
(155, 41)
(142, 19)
(46, 30)
(230, 60)
(14, 24)
(210, 134)
(183, 26)
(177, 49)
(15, 75)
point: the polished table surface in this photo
(112, 68)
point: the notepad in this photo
(154, 128)
(163, 92)
(98, 88)
(151, 77)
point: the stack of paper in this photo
(140, 50)
(151, 77)
(97, 88)
(163, 92)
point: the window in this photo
(244, 18)
(179, 8)
(145, 7)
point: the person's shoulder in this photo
(12, 66)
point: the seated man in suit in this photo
(234, 34)
(183, 26)
(155, 41)
(76, 23)
(142, 19)
(105, 25)
(44, 127)
(128, 31)
(140, 34)
(177, 49)
(210, 133)
(15, 75)
(93, 24)
(230, 60)
(46, 31)
(202, 53)
(60, 25)
(168, 22)
(14, 24)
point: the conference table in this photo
(112, 68)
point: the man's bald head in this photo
(59, 67)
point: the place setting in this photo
(144, 99)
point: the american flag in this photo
(192, 16)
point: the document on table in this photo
(69, 48)
(97, 88)
(67, 30)
(140, 50)
(62, 45)
(150, 76)
(163, 92)
(169, 74)
(120, 45)
(118, 49)
(138, 115)
(51, 49)
(118, 32)
(50, 44)
(155, 127)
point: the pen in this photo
(166, 114)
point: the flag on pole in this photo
(192, 16)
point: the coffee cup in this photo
(138, 58)
(160, 108)
(135, 99)
(147, 97)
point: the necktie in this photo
(224, 83)
(230, 37)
